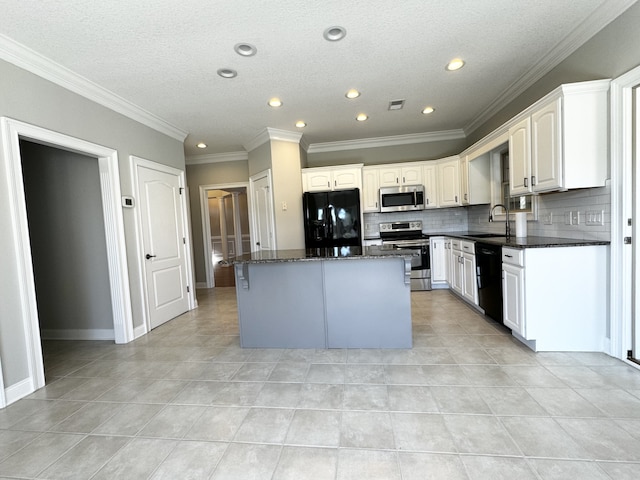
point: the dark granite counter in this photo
(524, 242)
(313, 254)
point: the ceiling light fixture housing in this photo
(275, 102)
(245, 49)
(353, 93)
(428, 110)
(334, 34)
(227, 72)
(201, 145)
(455, 64)
(300, 124)
(361, 117)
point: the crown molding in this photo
(269, 134)
(31, 61)
(216, 158)
(600, 18)
(390, 141)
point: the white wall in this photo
(287, 189)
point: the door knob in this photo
(147, 256)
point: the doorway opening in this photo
(23, 345)
(226, 230)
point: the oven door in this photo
(420, 264)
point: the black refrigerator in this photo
(332, 219)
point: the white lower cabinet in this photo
(439, 259)
(513, 298)
(555, 299)
(469, 284)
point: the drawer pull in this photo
(509, 256)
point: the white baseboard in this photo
(78, 334)
(18, 390)
(139, 331)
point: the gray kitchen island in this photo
(343, 297)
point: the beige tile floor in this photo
(467, 402)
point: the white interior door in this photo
(262, 212)
(636, 228)
(163, 238)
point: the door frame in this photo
(140, 253)
(11, 133)
(272, 220)
(621, 290)
(206, 222)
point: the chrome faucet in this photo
(507, 228)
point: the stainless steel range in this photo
(408, 235)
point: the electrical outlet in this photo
(575, 218)
(567, 218)
(547, 218)
(284, 206)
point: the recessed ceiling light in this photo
(333, 34)
(455, 64)
(245, 49)
(361, 117)
(300, 124)
(428, 110)
(275, 102)
(227, 73)
(201, 145)
(353, 93)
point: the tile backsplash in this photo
(476, 218)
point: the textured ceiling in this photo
(162, 56)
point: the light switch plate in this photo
(575, 217)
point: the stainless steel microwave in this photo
(402, 199)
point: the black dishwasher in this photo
(489, 278)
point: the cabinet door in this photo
(390, 176)
(469, 285)
(370, 190)
(513, 298)
(347, 178)
(546, 148)
(318, 181)
(449, 183)
(457, 272)
(438, 260)
(464, 181)
(429, 175)
(520, 157)
(412, 175)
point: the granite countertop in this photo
(314, 254)
(524, 242)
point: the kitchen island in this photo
(343, 297)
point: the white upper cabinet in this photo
(475, 180)
(370, 189)
(449, 182)
(331, 178)
(520, 157)
(560, 142)
(430, 177)
(398, 175)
